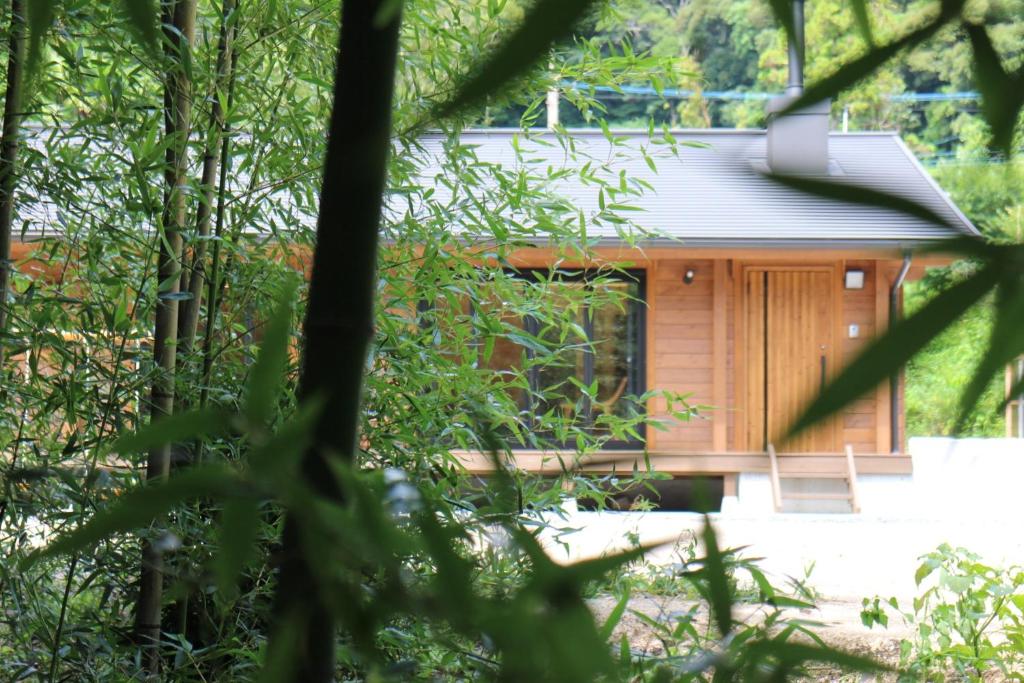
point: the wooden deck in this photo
(688, 464)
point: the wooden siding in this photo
(687, 325)
(681, 351)
(859, 423)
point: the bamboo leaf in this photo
(278, 455)
(615, 616)
(40, 16)
(141, 506)
(783, 11)
(862, 67)
(387, 12)
(1006, 343)
(546, 22)
(1016, 390)
(591, 570)
(143, 18)
(790, 654)
(889, 353)
(268, 372)
(239, 523)
(174, 428)
(860, 13)
(1002, 94)
(719, 594)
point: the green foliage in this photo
(402, 559)
(707, 640)
(990, 195)
(937, 376)
(968, 619)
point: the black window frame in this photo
(636, 384)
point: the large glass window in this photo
(590, 368)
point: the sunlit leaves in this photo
(546, 22)
(141, 18)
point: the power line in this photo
(745, 95)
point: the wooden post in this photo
(739, 360)
(651, 341)
(719, 350)
(883, 431)
(851, 480)
(776, 484)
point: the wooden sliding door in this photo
(790, 352)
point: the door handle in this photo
(824, 371)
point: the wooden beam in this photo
(640, 256)
(729, 485)
(720, 350)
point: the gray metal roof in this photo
(715, 193)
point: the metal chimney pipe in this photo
(796, 51)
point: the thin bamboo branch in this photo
(179, 30)
(196, 275)
(214, 284)
(9, 154)
(338, 327)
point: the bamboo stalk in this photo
(339, 317)
(9, 154)
(183, 611)
(196, 275)
(179, 29)
(214, 284)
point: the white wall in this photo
(976, 477)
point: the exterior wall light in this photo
(855, 279)
(688, 276)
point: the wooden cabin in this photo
(750, 294)
(754, 294)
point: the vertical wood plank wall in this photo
(687, 324)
